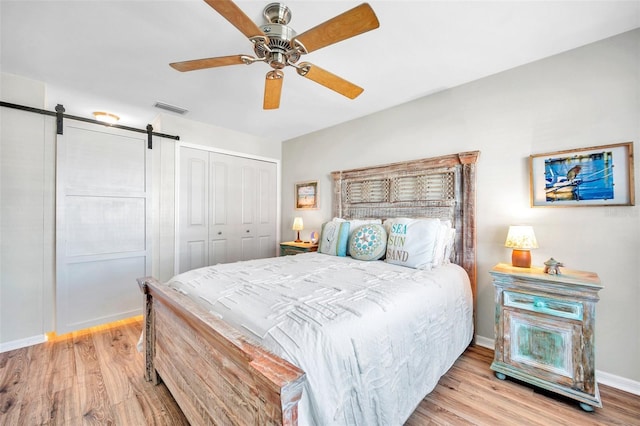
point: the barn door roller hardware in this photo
(60, 116)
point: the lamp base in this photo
(298, 240)
(521, 258)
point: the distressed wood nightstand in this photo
(544, 330)
(291, 247)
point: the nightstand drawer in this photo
(544, 305)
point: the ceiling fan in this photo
(279, 46)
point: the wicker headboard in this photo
(440, 187)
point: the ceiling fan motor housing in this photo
(279, 51)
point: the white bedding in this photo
(373, 338)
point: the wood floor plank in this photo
(516, 403)
(95, 405)
(14, 366)
(96, 377)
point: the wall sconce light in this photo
(521, 239)
(106, 117)
(297, 226)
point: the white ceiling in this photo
(113, 54)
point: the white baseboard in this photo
(602, 377)
(618, 382)
(485, 342)
(22, 343)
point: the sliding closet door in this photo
(243, 208)
(239, 195)
(103, 220)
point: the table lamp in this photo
(521, 239)
(297, 226)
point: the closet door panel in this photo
(248, 248)
(248, 191)
(194, 208)
(225, 208)
(218, 252)
(266, 199)
(196, 255)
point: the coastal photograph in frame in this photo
(306, 195)
(594, 176)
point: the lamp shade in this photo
(521, 238)
(297, 224)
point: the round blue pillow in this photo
(368, 242)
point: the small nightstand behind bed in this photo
(291, 247)
(544, 330)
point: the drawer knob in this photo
(539, 304)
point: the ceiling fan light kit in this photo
(280, 46)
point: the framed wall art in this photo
(306, 195)
(594, 176)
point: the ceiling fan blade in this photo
(273, 89)
(232, 13)
(199, 64)
(356, 21)
(329, 80)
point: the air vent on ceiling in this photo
(172, 108)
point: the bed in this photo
(234, 366)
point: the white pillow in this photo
(441, 244)
(449, 250)
(412, 242)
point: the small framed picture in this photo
(306, 195)
(594, 176)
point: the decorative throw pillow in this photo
(355, 223)
(334, 236)
(412, 242)
(368, 242)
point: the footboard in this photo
(213, 372)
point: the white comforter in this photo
(373, 338)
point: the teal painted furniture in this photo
(291, 247)
(544, 330)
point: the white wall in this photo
(27, 201)
(585, 97)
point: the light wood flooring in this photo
(95, 377)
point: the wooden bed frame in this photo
(218, 376)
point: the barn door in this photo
(103, 225)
